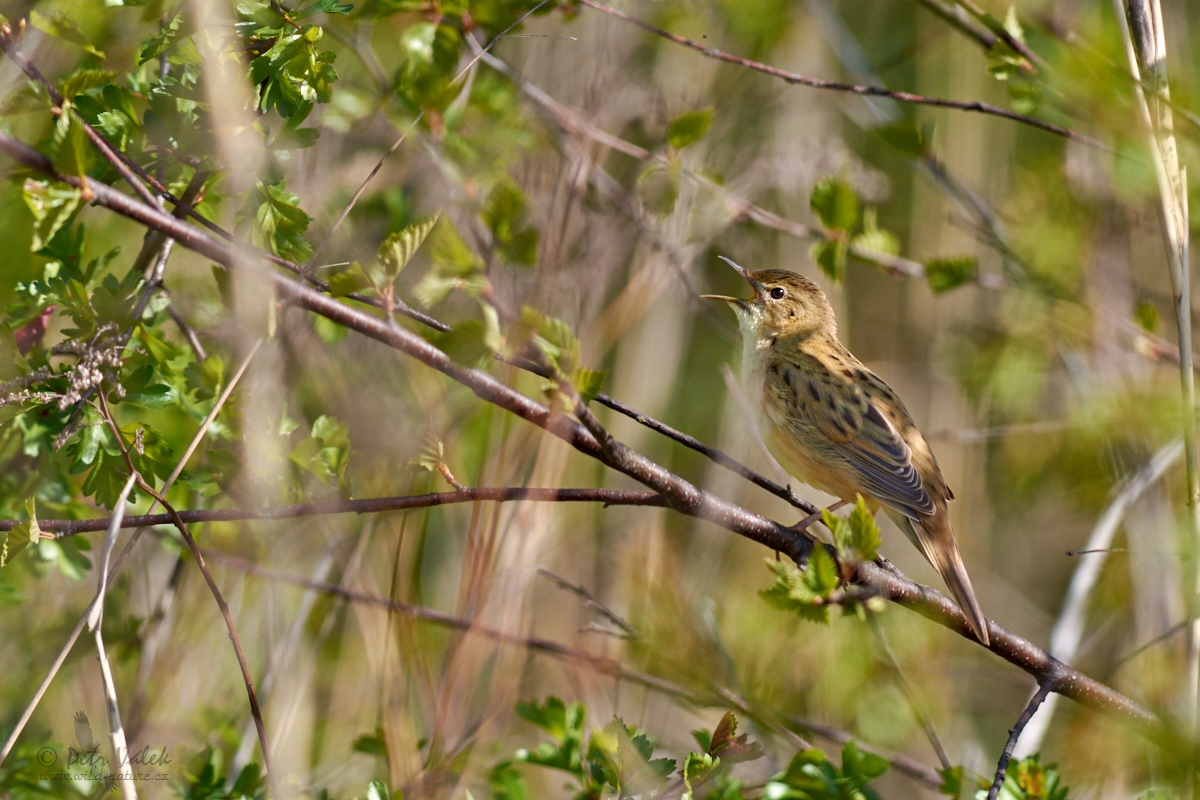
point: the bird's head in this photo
(784, 304)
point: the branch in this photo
(1014, 733)
(678, 493)
(868, 90)
(609, 497)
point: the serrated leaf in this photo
(52, 205)
(588, 383)
(821, 573)
(72, 152)
(836, 203)
(830, 256)
(465, 343)
(21, 535)
(398, 249)
(83, 79)
(60, 26)
(864, 533)
(949, 273)
(354, 279)
(877, 240)
(431, 457)
(689, 127)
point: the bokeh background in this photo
(1042, 372)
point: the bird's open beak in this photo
(737, 300)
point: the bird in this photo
(835, 425)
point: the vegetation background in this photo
(1010, 282)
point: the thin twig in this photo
(372, 505)
(189, 333)
(307, 269)
(1014, 733)
(589, 600)
(869, 90)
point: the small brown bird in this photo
(834, 424)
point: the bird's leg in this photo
(803, 525)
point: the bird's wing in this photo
(83, 731)
(860, 435)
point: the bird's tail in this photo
(934, 537)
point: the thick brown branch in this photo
(678, 493)
(867, 90)
(610, 497)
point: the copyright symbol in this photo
(46, 756)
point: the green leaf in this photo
(378, 790)
(856, 538)
(466, 343)
(588, 383)
(802, 592)
(52, 205)
(1146, 316)
(21, 535)
(273, 216)
(1003, 62)
(372, 744)
(907, 137)
(830, 256)
(323, 7)
(507, 783)
(504, 212)
(84, 79)
(398, 249)
(353, 279)
(877, 240)
(72, 152)
(949, 273)
(836, 204)
(689, 127)
(62, 27)
(859, 767)
(1027, 779)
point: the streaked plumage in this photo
(837, 426)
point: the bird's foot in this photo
(803, 525)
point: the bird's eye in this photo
(778, 293)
